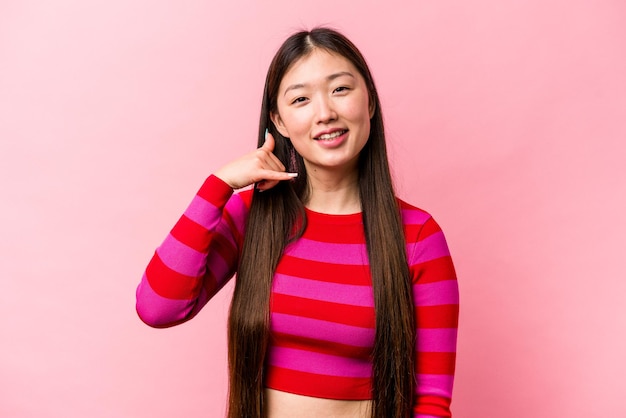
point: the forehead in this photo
(316, 67)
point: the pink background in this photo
(506, 119)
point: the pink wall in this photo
(507, 121)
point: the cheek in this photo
(366, 131)
(361, 120)
(296, 123)
(358, 110)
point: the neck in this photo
(333, 192)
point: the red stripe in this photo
(210, 283)
(192, 234)
(224, 247)
(319, 386)
(440, 316)
(215, 191)
(246, 197)
(433, 405)
(170, 284)
(436, 363)
(328, 272)
(357, 316)
(232, 227)
(436, 270)
(411, 233)
(336, 233)
(429, 228)
(320, 346)
(417, 232)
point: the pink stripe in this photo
(445, 292)
(323, 364)
(181, 258)
(436, 340)
(185, 260)
(238, 211)
(208, 215)
(324, 291)
(156, 310)
(348, 254)
(433, 247)
(203, 213)
(434, 385)
(414, 217)
(424, 416)
(322, 330)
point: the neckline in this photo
(348, 218)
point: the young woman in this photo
(346, 300)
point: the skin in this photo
(322, 93)
(288, 405)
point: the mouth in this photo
(331, 136)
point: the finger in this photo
(269, 143)
(271, 175)
(272, 178)
(273, 163)
(267, 157)
(265, 161)
(264, 185)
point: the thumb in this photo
(269, 143)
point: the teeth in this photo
(335, 134)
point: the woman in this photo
(346, 300)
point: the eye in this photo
(341, 89)
(299, 100)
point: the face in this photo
(323, 107)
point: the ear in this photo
(278, 123)
(372, 108)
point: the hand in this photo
(260, 166)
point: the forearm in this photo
(194, 261)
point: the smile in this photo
(333, 135)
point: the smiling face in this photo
(323, 108)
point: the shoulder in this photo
(411, 215)
(419, 225)
(422, 233)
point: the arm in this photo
(436, 299)
(196, 259)
(201, 252)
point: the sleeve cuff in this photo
(216, 191)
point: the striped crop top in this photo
(322, 308)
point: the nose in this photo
(325, 110)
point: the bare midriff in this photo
(280, 404)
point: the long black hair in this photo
(277, 216)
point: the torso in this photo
(322, 317)
(322, 324)
(280, 404)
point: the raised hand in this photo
(260, 166)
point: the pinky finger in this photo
(264, 185)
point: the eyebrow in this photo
(329, 78)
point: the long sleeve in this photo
(196, 259)
(436, 298)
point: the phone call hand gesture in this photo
(260, 166)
